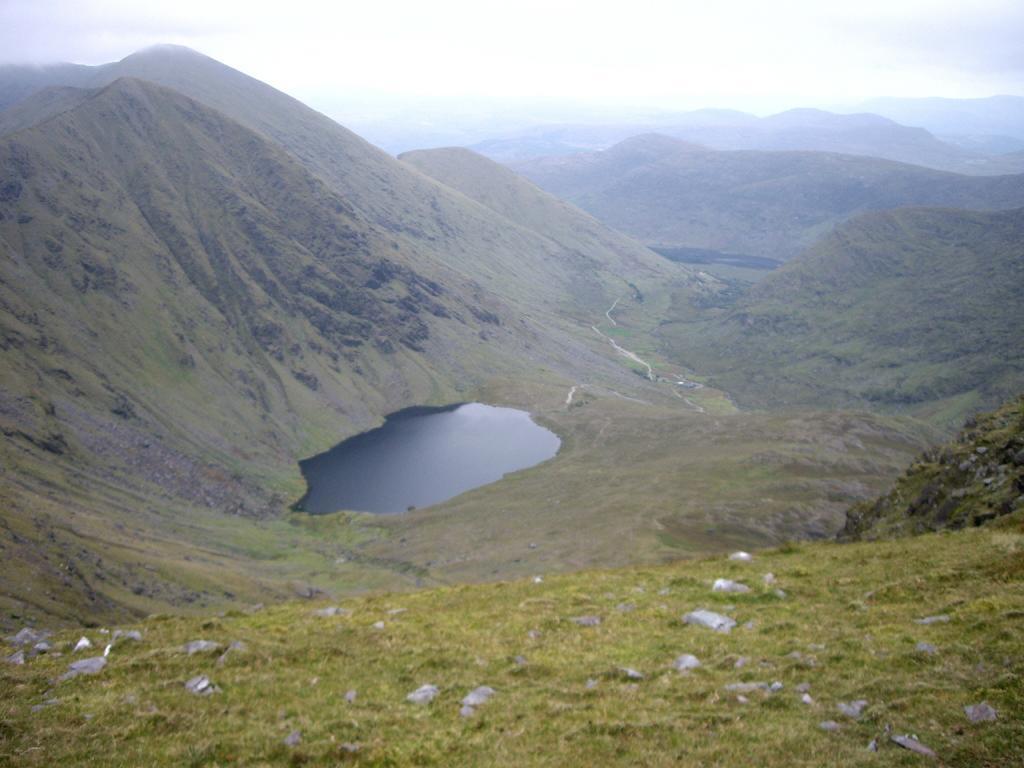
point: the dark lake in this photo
(423, 456)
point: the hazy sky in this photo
(759, 55)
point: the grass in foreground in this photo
(846, 627)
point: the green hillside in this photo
(916, 629)
(914, 311)
(770, 204)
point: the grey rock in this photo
(378, 625)
(42, 647)
(631, 673)
(423, 695)
(293, 739)
(83, 644)
(873, 745)
(396, 611)
(533, 634)
(829, 725)
(711, 620)
(46, 703)
(236, 646)
(126, 634)
(852, 708)
(940, 619)
(743, 557)
(741, 662)
(200, 685)
(591, 684)
(911, 743)
(478, 696)
(467, 711)
(91, 666)
(980, 713)
(586, 621)
(686, 662)
(746, 687)
(625, 607)
(928, 648)
(768, 579)
(780, 593)
(803, 687)
(728, 585)
(742, 699)
(28, 636)
(349, 747)
(17, 658)
(350, 696)
(519, 661)
(201, 646)
(806, 699)
(776, 687)
(664, 591)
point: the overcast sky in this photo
(759, 55)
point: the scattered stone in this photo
(625, 607)
(201, 646)
(980, 713)
(46, 703)
(776, 687)
(942, 618)
(803, 687)
(591, 684)
(768, 579)
(631, 673)
(741, 662)
(42, 647)
(106, 651)
(18, 658)
(806, 699)
(711, 620)
(748, 625)
(911, 743)
(396, 611)
(829, 725)
(533, 634)
(331, 610)
(235, 645)
(664, 591)
(742, 699)
(478, 696)
(91, 666)
(378, 625)
(852, 708)
(467, 711)
(200, 685)
(82, 644)
(927, 648)
(349, 747)
(744, 557)
(727, 585)
(519, 661)
(686, 662)
(423, 695)
(28, 636)
(586, 621)
(538, 579)
(350, 696)
(780, 593)
(293, 739)
(873, 745)
(127, 634)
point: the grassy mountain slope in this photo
(771, 204)
(914, 310)
(186, 311)
(977, 478)
(846, 629)
(511, 196)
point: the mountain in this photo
(794, 130)
(767, 204)
(970, 481)
(911, 310)
(186, 309)
(515, 198)
(990, 116)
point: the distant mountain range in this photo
(669, 193)
(797, 129)
(994, 124)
